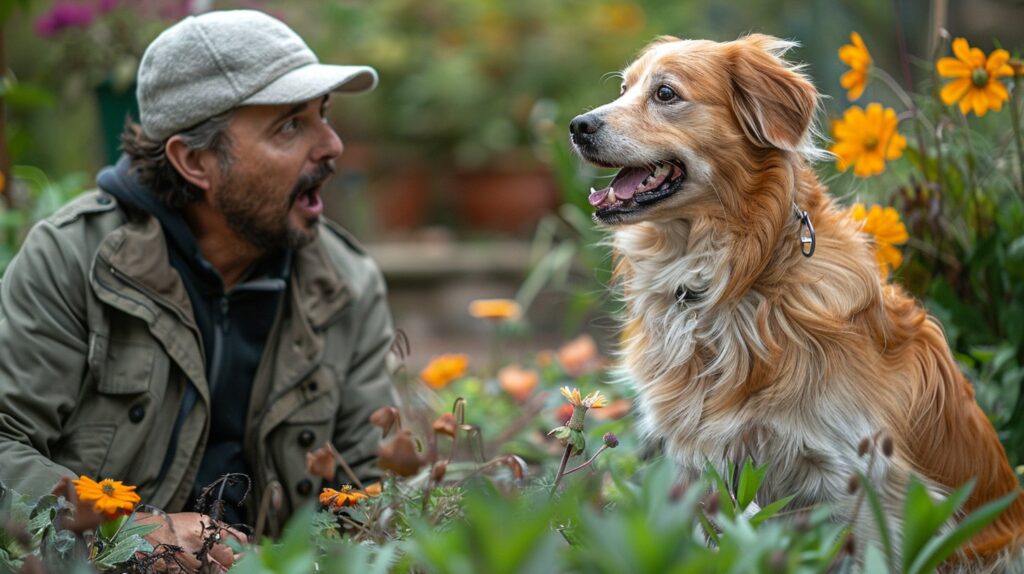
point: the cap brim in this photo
(313, 81)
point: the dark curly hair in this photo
(152, 168)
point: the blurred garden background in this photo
(458, 177)
(457, 174)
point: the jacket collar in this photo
(137, 251)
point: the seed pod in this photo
(445, 424)
(862, 448)
(853, 484)
(399, 455)
(386, 418)
(438, 472)
(711, 503)
(887, 446)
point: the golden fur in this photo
(788, 359)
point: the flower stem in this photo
(580, 467)
(561, 469)
(1015, 120)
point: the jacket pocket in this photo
(85, 449)
(129, 368)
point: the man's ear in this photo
(196, 166)
(773, 101)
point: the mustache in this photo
(308, 181)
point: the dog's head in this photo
(692, 116)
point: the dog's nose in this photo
(585, 125)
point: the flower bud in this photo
(610, 440)
(399, 455)
(445, 424)
(386, 418)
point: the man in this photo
(195, 317)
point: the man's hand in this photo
(190, 531)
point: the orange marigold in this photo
(441, 371)
(338, 499)
(111, 498)
(866, 139)
(976, 85)
(886, 230)
(497, 309)
(856, 56)
(518, 382)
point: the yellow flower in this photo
(338, 499)
(976, 85)
(498, 309)
(856, 56)
(865, 139)
(886, 230)
(444, 369)
(109, 497)
(594, 400)
(373, 489)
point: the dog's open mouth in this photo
(635, 188)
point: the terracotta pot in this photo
(400, 200)
(505, 201)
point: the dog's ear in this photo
(772, 100)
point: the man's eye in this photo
(666, 94)
(290, 125)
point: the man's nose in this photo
(329, 146)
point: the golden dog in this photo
(740, 344)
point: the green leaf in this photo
(942, 547)
(121, 551)
(769, 511)
(750, 482)
(879, 515)
(874, 561)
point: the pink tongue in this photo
(627, 180)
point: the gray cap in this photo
(208, 64)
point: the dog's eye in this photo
(666, 94)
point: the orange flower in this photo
(518, 382)
(856, 56)
(111, 498)
(866, 139)
(373, 489)
(338, 499)
(497, 309)
(441, 371)
(976, 85)
(886, 231)
(579, 356)
(563, 413)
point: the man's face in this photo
(281, 156)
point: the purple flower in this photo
(64, 15)
(104, 6)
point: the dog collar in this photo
(807, 238)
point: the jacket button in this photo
(304, 487)
(312, 386)
(137, 413)
(306, 437)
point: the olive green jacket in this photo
(98, 343)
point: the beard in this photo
(254, 211)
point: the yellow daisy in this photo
(856, 56)
(497, 309)
(866, 139)
(886, 230)
(976, 85)
(441, 371)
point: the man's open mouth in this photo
(635, 188)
